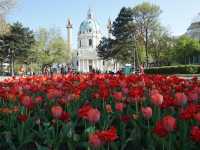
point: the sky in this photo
(176, 14)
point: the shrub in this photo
(182, 69)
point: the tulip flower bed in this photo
(100, 111)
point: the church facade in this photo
(85, 58)
(194, 29)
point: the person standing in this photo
(141, 69)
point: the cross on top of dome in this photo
(90, 14)
(90, 24)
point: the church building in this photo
(194, 29)
(85, 58)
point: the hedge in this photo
(182, 69)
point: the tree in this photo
(17, 43)
(121, 47)
(51, 47)
(5, 6)
(146, 16)
(137, 32)
(104, 48)
(160, 44)
(184, 50)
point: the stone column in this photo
(69, 34)
(79, 63)
(87, 65)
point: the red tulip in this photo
(192, 96)
(119, 106)
(100, 137)
(157, 99)
(147, 112)
(94, 140)
(93, 115)
(109, 135)
(26, 101)
(22, 118)
(154, 91)
(169, 123)
(181, 99)
(118, 96)
(197, 117)
(159, 129)
(65, 116)
(83, 111)
(195, 133)
(56, 111)
(38, 99)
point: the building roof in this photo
(196, 19)
(89, 25)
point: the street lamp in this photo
(11, 53)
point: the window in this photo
(90, 42)
(80, 44)
(90, 30)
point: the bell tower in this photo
(69, 34)
(109, 27)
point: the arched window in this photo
(90, 42)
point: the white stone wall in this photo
(84, 38)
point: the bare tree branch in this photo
(6, 5)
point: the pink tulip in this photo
(197, 117)
(169, 123)
(95, 141)
(93, 115)
(119, 106)
(147, 112)
(157, 99)
(56, 111)
(181, 99)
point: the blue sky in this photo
(176, 16)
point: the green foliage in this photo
(146, 17)
(17, 44)
(185, 47)
(136, 32)
(50, 47)
(121, 47)
(161, 46)
(181, 69)
(104, 49)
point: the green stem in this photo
(169, 142)
(136, 107)
(159, 113)
(163, 146)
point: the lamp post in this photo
(11, 53)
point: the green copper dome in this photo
(90, 25)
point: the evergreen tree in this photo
(121, 47)
(104, 48)
(17, 43)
